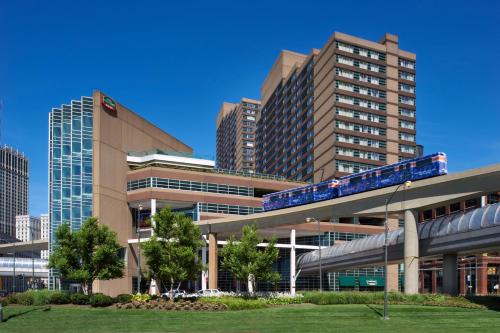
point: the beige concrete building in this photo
(236, 124)
(108, 162)
(343, 109)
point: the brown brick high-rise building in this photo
(236, 135)
(343, 109)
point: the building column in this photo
(292, 262)
(212, 260)
(204, 272)
(484, 200)
(482, 275)
(411, 252)
(463, 282)
(393, 269)
(422, 282)
(434, 280)
(450, 274)
(153, 212)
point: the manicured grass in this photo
(294, 318)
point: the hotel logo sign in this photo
(108, 103)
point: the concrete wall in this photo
(116, 134)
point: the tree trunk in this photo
(171, 294)
(251, 283)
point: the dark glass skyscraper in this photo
(14, 186)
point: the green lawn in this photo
(300, 318)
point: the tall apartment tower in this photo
(14, 177)
(236, 123)
(28, 228)
(346, 108)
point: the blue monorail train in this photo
(389, 175)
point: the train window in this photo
(296, 193)
(387, 171)
(274, 198)
(424, 162)
(355, 180)
(322, 187)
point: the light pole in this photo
(312, 219)
(386, 234)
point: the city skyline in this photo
(456, 115)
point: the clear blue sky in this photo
(176, 62)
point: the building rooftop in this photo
(172, 159)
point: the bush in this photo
(11, 299)
(124, 298)
(235, 303)
(80, 299)
(327, 298)
(25, 298)
(141, 297)
(59, 297)
(100, 300)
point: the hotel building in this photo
(236, 125)
(346, 108)
(108, 162)
(14, 176)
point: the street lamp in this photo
(386, 232)
(32, 256)
(312, 219)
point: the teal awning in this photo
(371, 281)
(347, 281)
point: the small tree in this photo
(87, 254)
(247, 262)
(171, 253)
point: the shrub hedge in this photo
(101, 300)
(80, 299)
(327, 298)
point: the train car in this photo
(389, 175)
(394, 174)
(302, 195)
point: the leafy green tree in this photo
(171, 253)
(87, 254)
(247, 262)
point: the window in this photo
(406, 100)
(406, 124)
(407, 113)
(406, 63)
(407, 76)
(406, 137)
(406, 88)
(407, 149)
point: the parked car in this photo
(4, 293)
(209, 293)
(177, 294)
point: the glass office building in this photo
(70, 167)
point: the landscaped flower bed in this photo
(180, 305)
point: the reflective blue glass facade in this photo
(70, 167)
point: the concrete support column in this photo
(463, 282)
(484, 200)
(204, 272)
(482, 276)
(450, 274)
(153, 212)
(434, 280)
(393, 269)
(411, 252)
(212, 260)
(292, 262)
